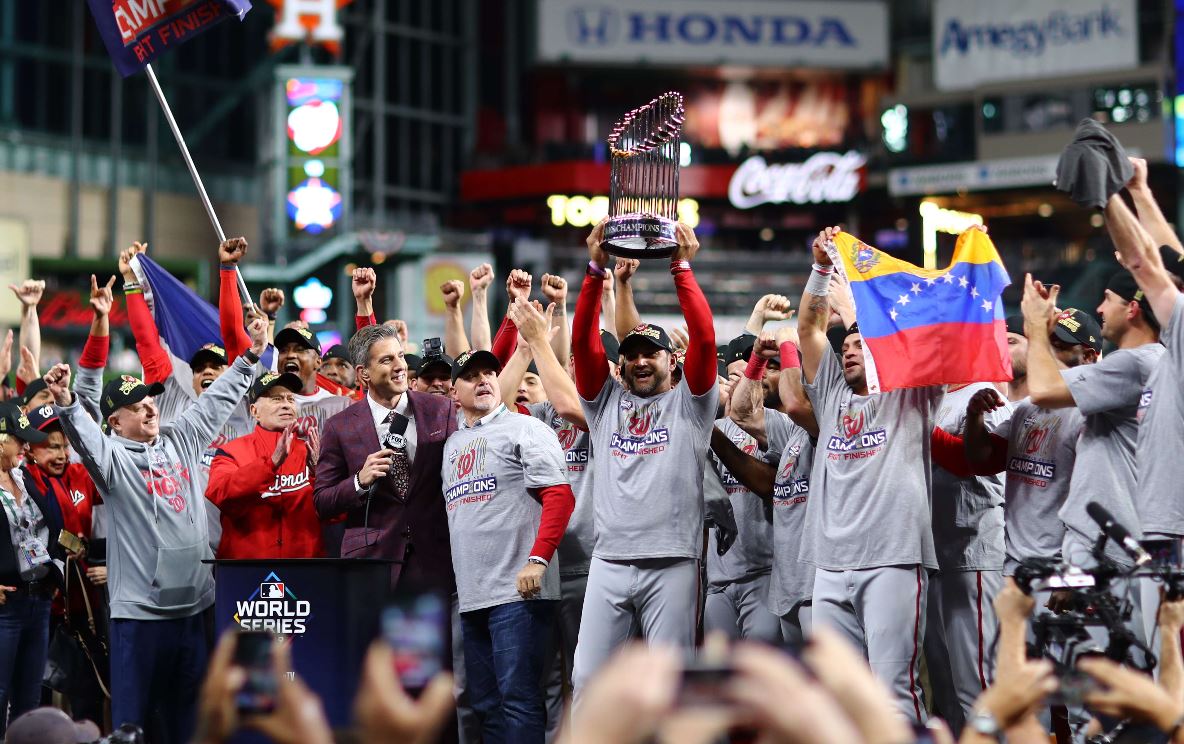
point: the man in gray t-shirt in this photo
(508, 502)
(1159, 473)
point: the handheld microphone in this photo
(395, 438)
(1117, 533)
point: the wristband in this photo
(270, 316)
(540, 561)
(130, 285)
(228, 267)
(819, 282)
(789, 356)
(756, 367)
(250, 356)
(595, 270)
(678, 266)
(822, 269)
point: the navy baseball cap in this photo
(267, 381)
(301, 336)
(34, 387)
(612, 348)
(1123, 284)
(470, 359)
(838, 334)
(413, 362)
(338, 351)
(740, 348)
(1172, 261)
(646, 333)
(1015, 324)
(124, 391)
(443, 361)
(208, 353)
(14, 421)
(42, 416)
(1077, 327)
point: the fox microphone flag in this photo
(138, 31)
(928, 326)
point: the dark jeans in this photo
(158, 666)
(505, 651)
(24, 647)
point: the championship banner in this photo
(928, 326)
(138, 31)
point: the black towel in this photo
(1093, 167)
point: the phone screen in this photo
(252, 652)
(415, 627)
(702, 683)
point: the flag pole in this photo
(201, 189)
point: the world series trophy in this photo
(643, 181)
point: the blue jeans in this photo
(158, 666)
(24, 647)
(505, 650)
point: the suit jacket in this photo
(412, 531)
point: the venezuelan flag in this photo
(929, 326)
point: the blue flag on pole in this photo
(138, 31)
(186, 322)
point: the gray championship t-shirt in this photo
(575, 550)
(493, 520)
(648, 470)
(967, 512)
(751, 553)
(793, 579)
(870, 486)
(1041, 449)
(1108, 394)
(1158, 464)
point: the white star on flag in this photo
(973, 292)
(892, 312)
(930, 281)
(962, 281)
(904, 300)
(947, 278)
(916, 289)
(987, 305)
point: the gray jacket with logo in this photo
(158, 535)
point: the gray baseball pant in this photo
(661, 594)
(795, 625)
(567, 631)
(469, 727)
(740, 610)
(882, 612)
(959, 639)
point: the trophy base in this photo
(640, 236)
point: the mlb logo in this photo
(272, 590)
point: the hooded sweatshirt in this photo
(158, 535)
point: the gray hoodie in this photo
(158, 536)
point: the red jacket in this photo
(266, 512)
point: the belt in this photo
(38, 588)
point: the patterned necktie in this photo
(400, 472)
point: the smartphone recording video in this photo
(416, 628)
(252, 652)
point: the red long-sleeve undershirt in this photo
(558, 504)
(505, 341)
(590, 360)
(949, 452)
(699, 368)
(155, 360)
(94, 353)
(361, 321)
(230, 314)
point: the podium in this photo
(327, 608)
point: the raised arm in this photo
(627, 318)
(479, 280)
(756, 475)
(153, 358)
(1138, 250)
(89, 384)
(510, 378)
(560, 389)
(590, 360)
(230, 302)
(270, 302)
(363, 283)
(699, 368)
(455, 341)
(789, 384)
(1150, 215)
(771, 307)
(84, 435)
(814, 309)
(555, 290)
(506, 340)
(29, 294)
(608, 305)
(1046, 386)
(747, 407)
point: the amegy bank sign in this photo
(832, 34)
(823, 177)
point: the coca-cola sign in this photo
(824, 177)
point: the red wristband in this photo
(756, 367)
(789, 355)
(678, 266)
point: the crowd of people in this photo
(626, 517)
